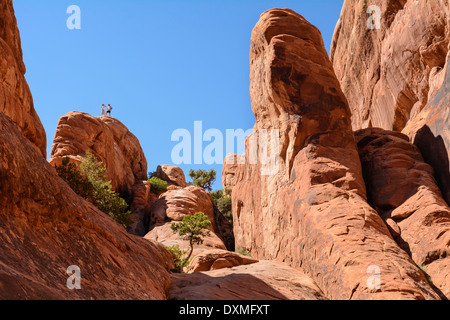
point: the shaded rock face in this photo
(313, 212)
(401, 187)
(15, 95)
(397, 77)
(389, 74)
(45, 228)
(141, 206)
(264, 280)
(109, 140)
(430, 131)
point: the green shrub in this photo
(203, 179)
(103, 196)
(70, 173)
(158, 185)
(224, 206)
(243, 252)
(216, 195)
(89, 181)
(193, 228)
(423, 268)
(227, 193)
(179, 258)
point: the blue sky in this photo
(161, 64)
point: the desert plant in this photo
(227, 193)
(224, 206)
(158, 185)
(70, 173)
(243, 252)
(203, 179)
(193, 228)
(423, 268)
(216, 195)
(89, 181)
(179, 258)
(102, 195)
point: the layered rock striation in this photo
(312, 210)
(395, 75)
(15, 95)
(45, 228)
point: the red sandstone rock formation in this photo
(45, 228)
(430, 131)
(109, 140)
(141, 206)
(389, 74)
(162, 233)
(172, 206)
(172, 174)
(15, 95)
(229, 168)
(211, 260)
(396, 77)
(265, 280)
(313, 213)
(401, 187)
(178, 202)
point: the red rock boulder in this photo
(109, 140)
(172, 174)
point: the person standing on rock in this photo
(108, 112)
(103, 109)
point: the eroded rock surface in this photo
(312, 213)
(397, 77)
(106, 138)
(401, 187)
(141, 206)
(229, 168)
(265, 280)
(389, 74)
(163, 234)
(45, 228)
(172, 174)
(15, 95)
(430, 131)
(211, 260)
(174, 204)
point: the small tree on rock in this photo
(70, 173)
(203, 179)
(103, 196)
(193, 228)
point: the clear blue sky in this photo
(161, 64)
